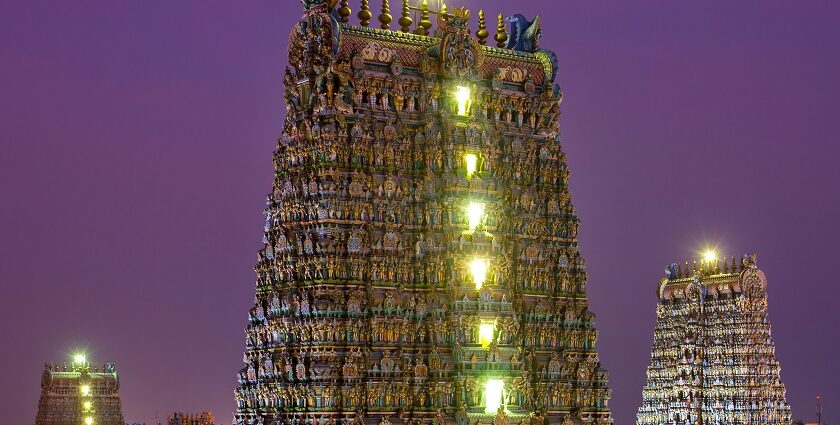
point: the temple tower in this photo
(79, 394)
(713, 359)
(181, 418)
(421, 261)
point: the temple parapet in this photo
(715, 278)
(516, 60)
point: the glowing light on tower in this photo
(478, 267)
(485, 333)
(471, 163)
(462, 96)
(493, 395)
(710, 256)
(89, 420)
(79, 358)
(85, 390)
(474, 213)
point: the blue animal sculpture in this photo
(671, 271)
(524, 35)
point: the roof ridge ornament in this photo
(460, 54)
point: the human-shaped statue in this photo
(420, 246)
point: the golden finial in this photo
(443, 10)
(364, 14)
(344, 11)
(385, 17)
(405, 20)
(482, 32)
(461, 12)
(425, 24)
(501, 34)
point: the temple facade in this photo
(79, 394)
(181, 418)
(713, 360)
(421, 262)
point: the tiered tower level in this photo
(421, 262)
(79, 395)
(713, 360)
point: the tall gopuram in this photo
(713, 360)
(79, 394)
(420, 264)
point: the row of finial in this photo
(63, 367)
(717, 266)
(422, 28)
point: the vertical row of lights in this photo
(85, 394)
(493, 388)
(475, 212)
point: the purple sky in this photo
(135, 155)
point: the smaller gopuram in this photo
(181, 418)
(713, 359)
(79, 394)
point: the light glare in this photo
(479, 271)
(493, 395)
(462, 96)
(79, 358)
(85, 390)
(709, 256)
(485, 334)
(474, 213)
(89, 420)
(471, 163)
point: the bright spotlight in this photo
(474, 213)
(485, 334)
(85, 390)
(478, 267)
(87, 405)
(89, 420)
(462, 96)
(471, 162)
(79, 358)
(493, 395)
(710, 256)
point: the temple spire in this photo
(405, 18)
(501, 33)
(425, 24)
(344, 11)
(385, 17)
(482, 32)
(364, 14)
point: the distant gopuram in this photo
(421, 263)
(79, 394)
(713, 360)
(181, 418)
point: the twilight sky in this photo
(135, 155)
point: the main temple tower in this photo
(713, 360)
(420, 262)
